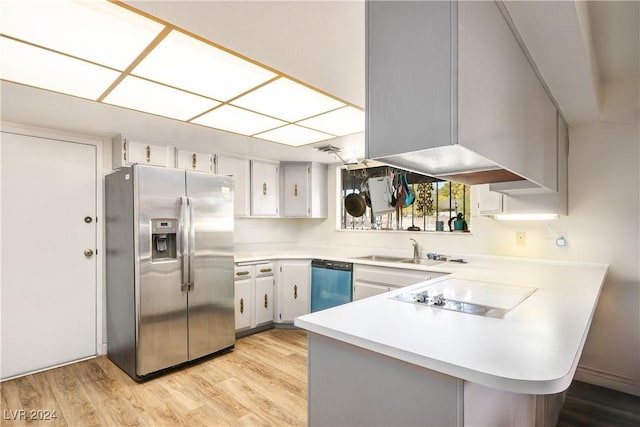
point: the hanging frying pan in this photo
(354, 203)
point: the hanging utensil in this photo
(354, 204)
(394, 195)
(400, 193)
(365, 192)
(409, 196)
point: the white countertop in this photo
(533, 349)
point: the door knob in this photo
(88, 219)
(88, 252)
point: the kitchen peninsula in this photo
(381, 361)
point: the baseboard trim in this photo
(48, 368)
(608, 380)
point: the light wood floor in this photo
(262, 382)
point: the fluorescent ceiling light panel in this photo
(287, 100)
(234, 119)
(22, 63)
(97, 31)
(190, 64)
(344, 121)
(142, 95)
(294, 135)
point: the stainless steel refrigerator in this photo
(169, 267)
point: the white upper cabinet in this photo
(304, 189)
(451, 93)
(192, 160)
(488, 202)
(265, 181)
(127, 152)
(494, 199)
(238, 168)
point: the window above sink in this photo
(430, 207)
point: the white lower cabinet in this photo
(264, 300)
(294, 279)
(254, 294)
(363, 290)
(371, 280)
(243, 304)
(263, 297)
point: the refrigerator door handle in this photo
(192, 246)
(185, 227)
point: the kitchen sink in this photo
(382, 258)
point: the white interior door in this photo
(48, 282)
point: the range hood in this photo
(452, 94)
(455, 163)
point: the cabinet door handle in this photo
(265, 270)
(194, 160)
(295, 190)
(264, 188)
(295, 291)
(266, 301)
(148, 154)
(241, 273)
(124, 151)
(241, 305)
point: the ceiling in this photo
(616, 36)
(322, 43)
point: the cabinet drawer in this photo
(265, 269)
(364, 290)
(243, 272)
(395, 277)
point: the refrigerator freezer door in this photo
(161, 304)
(211, 308)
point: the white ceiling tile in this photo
(294, 135)
(343, 121)
(190, 64)
(142, 95)
(97, 31)
(237, 120)
(287, 100)
(26, 64)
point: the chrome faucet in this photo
(416, 249)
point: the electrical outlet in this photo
(521, 238)
(561, 240)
